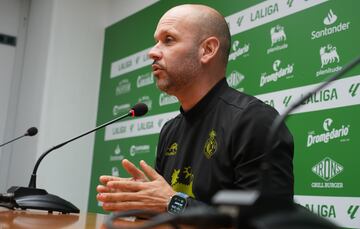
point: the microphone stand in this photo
(271, 204)
(12, 140)
(33, 198)
(30, 132)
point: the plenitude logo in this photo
(328, 56)
(331, 29)
(330, 133)
(279, 72)
(278, 38)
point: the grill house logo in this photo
(329, 134)
(327, 169)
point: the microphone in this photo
(32, 198)
(32, 131)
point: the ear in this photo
(209, 49)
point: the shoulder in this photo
(241, 103)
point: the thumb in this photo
(149, 171)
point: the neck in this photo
(192, 94)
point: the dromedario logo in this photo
(279, 72)
(330, 133)
(239, 50)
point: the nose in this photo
(155, 53)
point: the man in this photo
(217, 141)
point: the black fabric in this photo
(218, 144)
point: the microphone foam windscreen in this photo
(140, 109)
(31, 131)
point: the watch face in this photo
(177, 204)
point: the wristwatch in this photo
(177, 203)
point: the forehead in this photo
(175, 21)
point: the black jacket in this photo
(218, 144)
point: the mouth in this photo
(156, 68)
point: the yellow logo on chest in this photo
(210, 146)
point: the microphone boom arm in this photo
(32, 183)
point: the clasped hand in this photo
(146, 190)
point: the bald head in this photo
(205, 22)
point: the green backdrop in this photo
(280, 50)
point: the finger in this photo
(126, 186)
(102, 188)
(121, 206)
(105, 179)
(117, 197)
(149, 171)
(132, 205)
(136, 173)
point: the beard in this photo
(178, 75)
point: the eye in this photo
(168, 39)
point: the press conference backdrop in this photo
(280, 50)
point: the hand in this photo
(146, 190)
